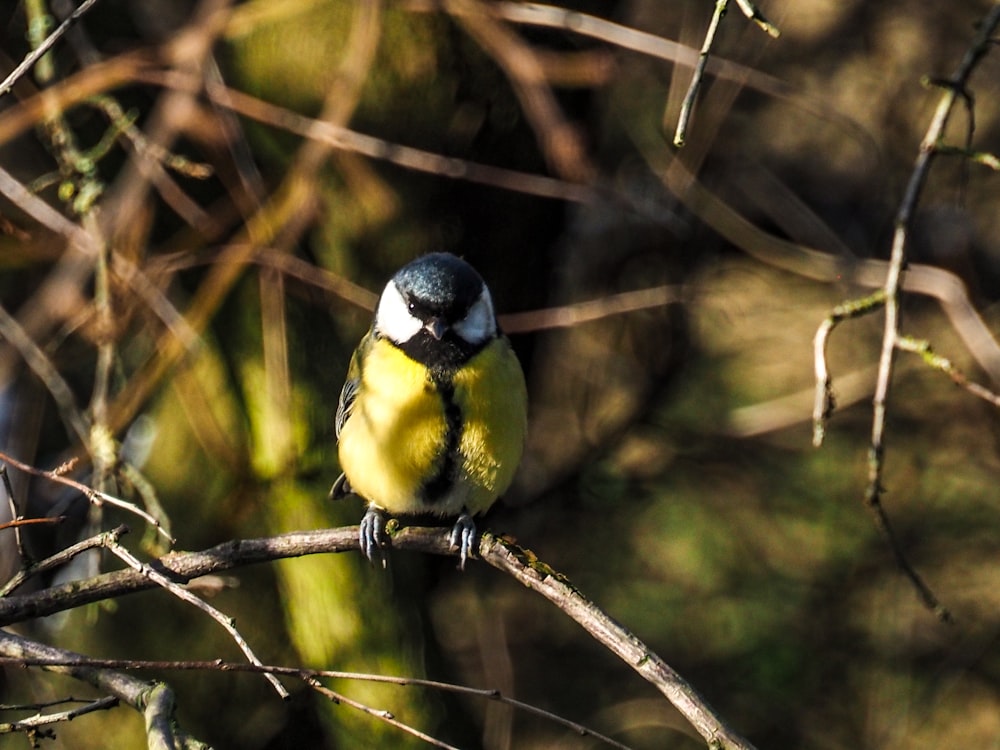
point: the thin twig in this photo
(154, 701)
(519, 563)
(945, 365)
(218, 665)
(40, 720)
(897, 262)
(384, 716)
(32, 57)
(687, 106)
(824, 402)
(91, 494)
(60, 558)
(15, 514)
(181, 593)
(752, 14)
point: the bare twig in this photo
(384, 716)
(181, 593)
(36, 54)
(536, 575)
(153, 700)
(825, 403)
(94, 496)
(217, 665)
(519, 563)
(687, 106)
(40, 719)
(955, 85)
(60, 558)
(15, 515)
(935, 360)
(753, 14)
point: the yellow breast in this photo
(394, 440)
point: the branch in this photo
(36, 54)
(181, 593)
(307, 675)
(95, 497)
(181, 567)
(39, 719)
(153, 700)
(897, 260)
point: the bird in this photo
(433, 414)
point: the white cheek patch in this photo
(480, 323)
(393, 319)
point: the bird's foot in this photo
(373, 537)
(463, 536)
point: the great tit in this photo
(433, 415)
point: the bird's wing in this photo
(350, 390)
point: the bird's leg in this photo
(372, 535)
(463, 536)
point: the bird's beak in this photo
(436, 327)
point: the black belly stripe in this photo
(438, 485)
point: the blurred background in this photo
(670, 472)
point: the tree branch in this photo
(154, 700)
(521, 564)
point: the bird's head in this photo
(437, 306)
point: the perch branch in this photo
(181, 567)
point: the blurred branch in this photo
(560, 142)
(76, 422)
(280, 221)
(567, 316)
(342, 138)
(943, 285)
(522, 565)
(84, 247)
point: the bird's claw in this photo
(373, 537)
(463, 536)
